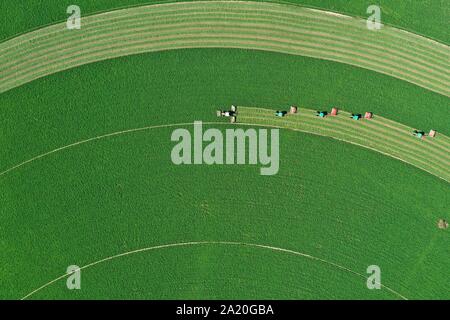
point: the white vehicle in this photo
(225, 113)
(228, 113)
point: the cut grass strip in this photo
(261, 34)
(377, 131)
(331, 45)
(285, 11)
(192, 41)
(374, 143)
(378, 134)
(72, 33)
(24, 60)
(147, 20)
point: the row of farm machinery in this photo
(232, 114)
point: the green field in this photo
(112, 202)
(220, 24)
(407, 14)
(378, 134)
(246, 235)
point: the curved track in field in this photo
(379, 134)
(228, 243)
(246, 25)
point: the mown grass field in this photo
(379, 134)
(408, 14)
(332, 200)
(243, 25)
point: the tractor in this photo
(419, 134)
(280, 113)
(321, 114)
(228, 113)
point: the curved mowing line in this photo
(171, 24)
(98, 138)
(350, 142)
(408, 156)
(376, 128)
(374, 133)
(426, 159)
(417, 71)
(209, 41)
(401, 154)
(230, 243)
(411, 68)
(306, 12)
(15, 77)
(132, 22)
